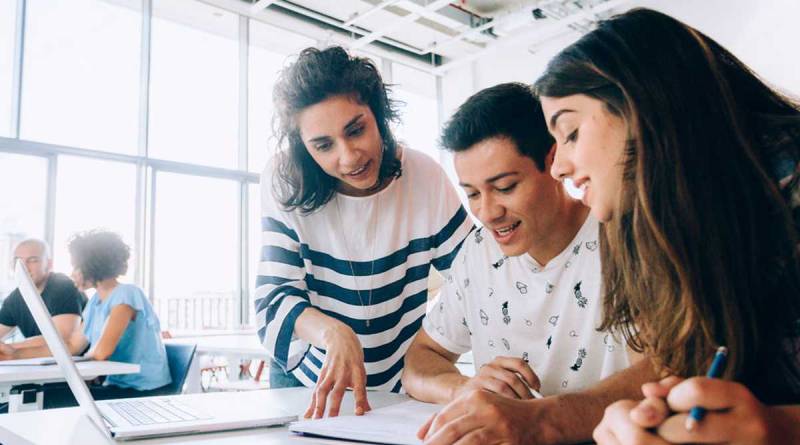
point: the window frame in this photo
(147, 167)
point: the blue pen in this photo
(715, 371)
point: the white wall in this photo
(765, 34)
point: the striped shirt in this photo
(330, 260)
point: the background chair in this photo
(179, 359)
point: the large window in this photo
(81, 74)
(8, 16)
(254, 248)
(23, 181)
(194, 84)
(269, 47)
(108, 94)
(196, 252)
(419, 126)
(93, 194)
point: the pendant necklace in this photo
(372, 256)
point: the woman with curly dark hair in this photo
(352, 221)
(119, 322)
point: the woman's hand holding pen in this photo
(734, 415)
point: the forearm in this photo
(31, 342)
(571, 418)
(30, 351)
(430, 377)
(317, 328)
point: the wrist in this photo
(541, 416)
(334, 333)
(459, 385)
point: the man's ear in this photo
(550, 158)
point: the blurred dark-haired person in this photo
(525, 294)
(352, 222)
(63, 300)
(119, 322)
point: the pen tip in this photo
(690, 424)
(722, 350)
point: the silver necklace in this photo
(372, 256)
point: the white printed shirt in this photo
(512, 306)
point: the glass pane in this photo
(194, 84)
(196, 252)
(419, 126)
(81, 74)
(94, 194)
(270, 50)
(8, 16)
(23, 180)
(254, 248)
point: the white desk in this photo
(240, 345)
(67, 426)
(17, 374)
(11, 375)
(233, 347)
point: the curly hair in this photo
(99, 255)
(300, 183)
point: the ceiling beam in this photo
(379, 7)
(531, 34)
(380, 32)
(496, 21)
(261, 5)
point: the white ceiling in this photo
(457, 31)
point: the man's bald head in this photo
(36, 255)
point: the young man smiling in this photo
(523, 295)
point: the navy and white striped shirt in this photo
(390, 239)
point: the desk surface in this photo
(17, 374)
(68, 426)
(240, 345)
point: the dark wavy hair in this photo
(299, 182)
(99, 255)
(703, 251)
(508, 110)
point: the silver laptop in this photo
(144, 417)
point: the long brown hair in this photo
(703, 250)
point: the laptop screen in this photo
(57, 347)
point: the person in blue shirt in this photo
(119, 322)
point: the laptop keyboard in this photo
(151, 412)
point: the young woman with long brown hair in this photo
(691, 162)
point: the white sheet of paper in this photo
(391, 425)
